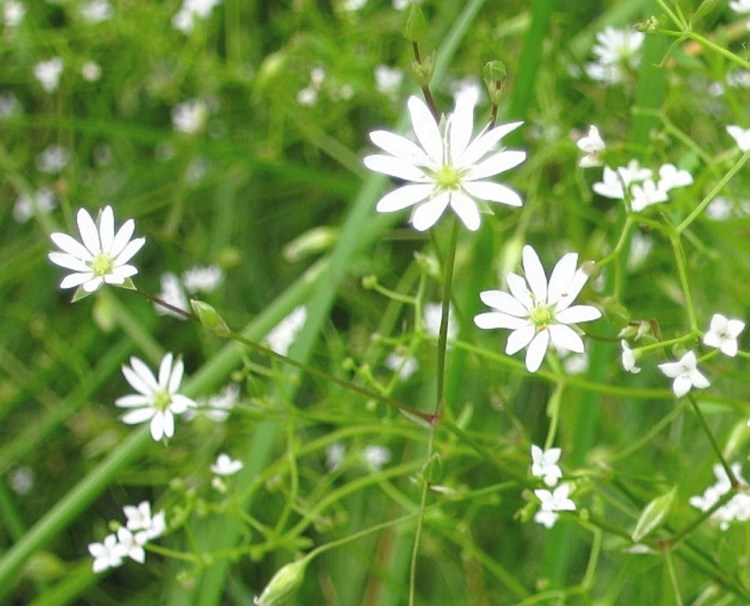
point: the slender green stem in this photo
(426, 87)
(702, 420)
(679, 255)
(673, 577)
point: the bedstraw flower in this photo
(685, 374)
(446, 167)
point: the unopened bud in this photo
(495, 75)
(283, 584)
(422, 72)
(616, 313)
(414, 27)
(210, 318)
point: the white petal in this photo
(157, 425)
(138, 415)
(427, 214)
(681, 385)
(519, 289)
(561, 278)
(133, 401)
(671, 369)
(91, 285)
(68, 262)
(176, 378)
(106, 229)
(699, 380)
(180, 404)
(122, 238)
(77, 279)
(578, 313)
(400, 147)
(394, 167)
(167, 424)
(71, 246)
(535, 275)
(735, 327)
(575, 286)
(466, 209)
(564, 337)
(536, 351)
(165, 369)
(493, 192)
(520, 338)
(496, 164)
(403, 197)
(461, 126)
(426, 129)
(729, 348)
(496, 319)
(485, 142)
(89, 232)
(504, 302)
(144, 380)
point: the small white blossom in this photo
(400, 5)
(723, 334)
(433, 313)
(611, 185)
(41, 202)
(670, 177)
(447, 168)
(139, 518)
(685, 374)
(552, 502)
(737, 509)
(9, 105)
(107, 554)
(376, 456)
(96, 11)
(13, 13)
(538, 312)
(616, 50)
(53, 159)
(405, 366)
(218, 406)
(591, 145)
(335, 455)
(190, 117)
(172, 293)
(202, 279)
(21, 480)
(132, 544)
(48, 73)
(157, 399)
(190, 12)
(544, 464)
(740, 6)
(102, 258)
(354, 5)
(741, 136)
(280, 339)
(388, 80)
(226, 465)
(628, 358)
(308, 96)
(91, 71)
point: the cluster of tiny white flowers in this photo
(616, 51)
(404, 366)
(192, 11)
(552, 502)
(175, 290)
(48, 73)
(376, 456)
(737, 509)
(309, 95)
(129, 540)
(216, 407)
(190, 116)
(42, 202)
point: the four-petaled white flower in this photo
(226, 465)
(132, 543)
(741, 136)
(591, 144)
(107, 554)
(723, 334)
(447, 168)
(102, 258)
(157, 400)
(685, 374)
(552, 502)
(539, 313)
(139, 518)
(544, 464)
(628, 358)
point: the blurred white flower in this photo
(538, 312)
(628, 358)
(218, 406)
(544, 464)
(202, 279)
(53, 159)
(157, 400)
(447, 168)
(9, 105)
(405, 366)
(91, 71)
(722, 334)
(226, 465)
(400, 5)
(737, 509)
(96, 11)
(376, 456)
(190, 117)
(433, 313)
(102, 258)
(644, 189)
(139, 518)
(21, 480)
(172, 293)
(552, 502)
(591, 145)
(107, 554)
(685, 374)
(48, 73)
(190, 12)
(13, 13)
(354, 5)
(741, 136)
(283, 335)
(42, 202)
(388, 80)
(616, 50)
(335, 455)
(740, 6)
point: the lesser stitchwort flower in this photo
(591, 145)
(539, 313)
(447, 168)
(102, 258)
(157, 400)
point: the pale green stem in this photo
(707, 430)
(679, 255)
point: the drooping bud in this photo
(495, 75)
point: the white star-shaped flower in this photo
(685, 374)
(107, 554)
(723, 334)
(102, 258)
(226, 465)
(591, 145)
(552, 502)
(544, 464)
(628, 358)
(132, 544)
(446, 167)
(139, 518)
(741, 136)
(539, 313)
(157, 400)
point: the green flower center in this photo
(448, 177)
(162, 400)
(542, 316)
(102, 265)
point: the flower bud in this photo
(653, 515)
(414, 27)
(422, 72)
(616, 313)
(283, 584)
(495, 75)
(210, 318)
